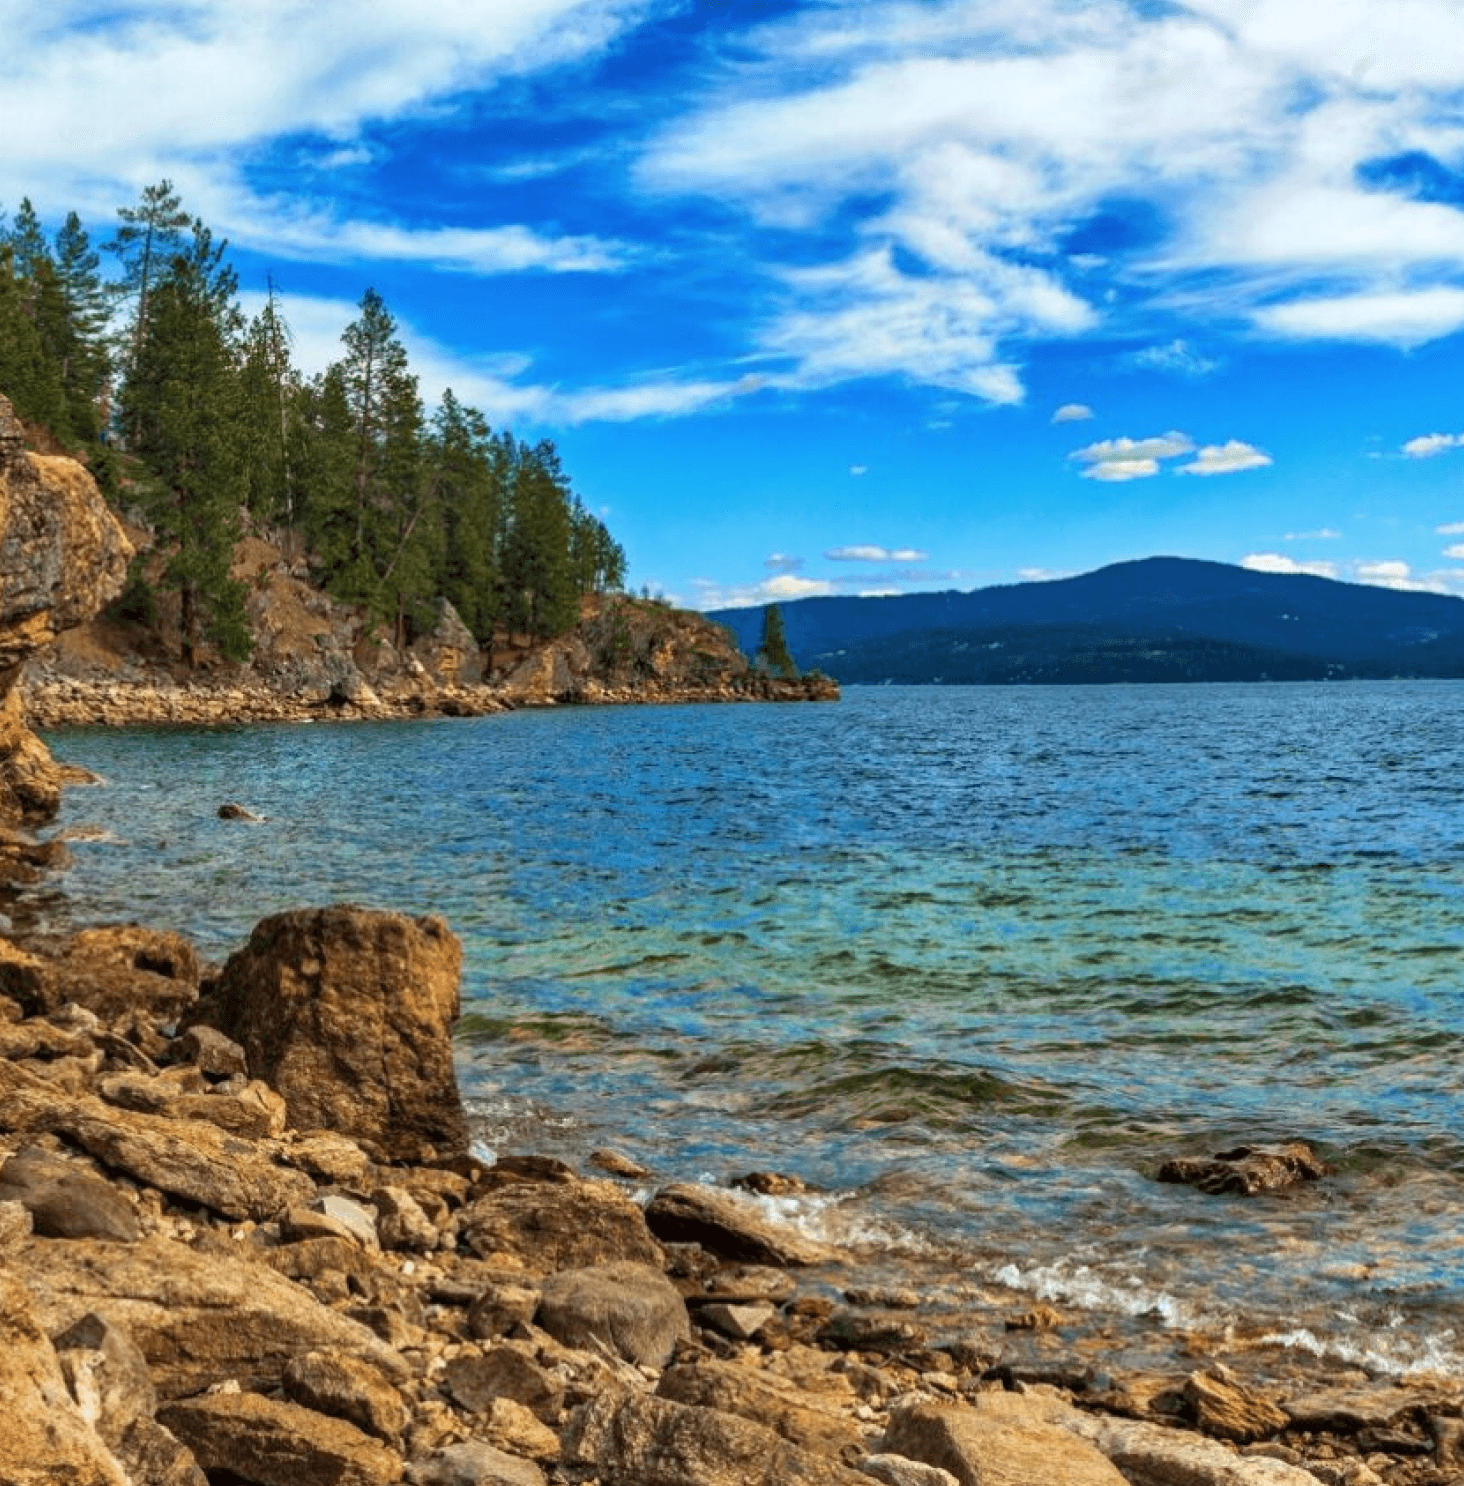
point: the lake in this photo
(973, 961)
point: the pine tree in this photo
(773, 650)
(149, 234)
(467, 479)
(271, 389)
(182, 399)
(85, 364)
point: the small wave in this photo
(1089, 1290)
(1401, 1355)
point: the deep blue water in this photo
(974, 960)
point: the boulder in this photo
(348, 1013)
(996, 1446)
(65, 1200)
(198, 1318)
(121, 970)
(476, 1378)
(1247, 1169)
(629, 1439)
(186, 1158)
(631, 1308)
(550, 1226)
(278, 1444)
(46, 1439)
(1224, 1407)
(731, 1227)
(767, 1399)
(345, 1387)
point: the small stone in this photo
(500, 1308)
(617, 1163)
(896, 1470)
(356, 1219)
(631, 1308)
(347, 1388)
(401, 1223)
(475, 1379)
(474, 1463)
(741, 1322)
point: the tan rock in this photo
(630, 1439)
(475, 1378)
(552, 1226)
(46, 1440)
(515, 1427)
(345, 1387)
(475, 1463)
(732, 1227)
(348, 1013)
(279, 1444)
(198, 1318)
(1225, 1407)
(766, 1399)
(1247, 1170)
(121, 970)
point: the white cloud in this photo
(991, 129)
(1391, 573)
(1072, 412)
(99, 102)
(879, 593)
(1455, 550)
(1321, 534)
(1278, 562)
(1226, 459)
(780, 589)
(858, 469)
(1450, 529)
(1425, 446)
(875, 554)
(1041, 575)
(1116, 460)
(1399, 318)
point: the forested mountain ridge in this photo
(198, 426)
(1156, 619)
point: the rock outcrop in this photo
(63, 555)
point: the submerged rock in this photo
(1247, 1170)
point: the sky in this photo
(856, 297)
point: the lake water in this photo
(973, 961)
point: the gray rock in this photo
(356, 1219)
(631, 1308)
(741, 1322)
(475, 1464)
(208, 1050)
(66, 1201)
(896, 1470)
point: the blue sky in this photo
(846, 297)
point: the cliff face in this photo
(63, 556)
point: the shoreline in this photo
(402, 1306)
(56, 702)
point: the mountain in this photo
(1157, 619)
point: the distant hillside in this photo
(1158, 619)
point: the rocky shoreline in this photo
(246, 1239)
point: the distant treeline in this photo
(191, 412)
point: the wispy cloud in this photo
(1321, 534)
(783, 562)
(1177, 357)
(875, 554)
(1072, 412)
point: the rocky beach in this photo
(247, 1240)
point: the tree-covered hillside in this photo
(196, 418)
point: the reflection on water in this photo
(976, 959)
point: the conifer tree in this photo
(149, 234)
(271, 390)
(773, 650)
(182, 399)
(85, 365)
(467, 478)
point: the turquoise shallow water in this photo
(974, 960)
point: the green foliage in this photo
(773, 652)
(398, 510)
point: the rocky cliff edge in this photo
(63, 557)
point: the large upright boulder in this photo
(348, 1013)
(63, 556)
